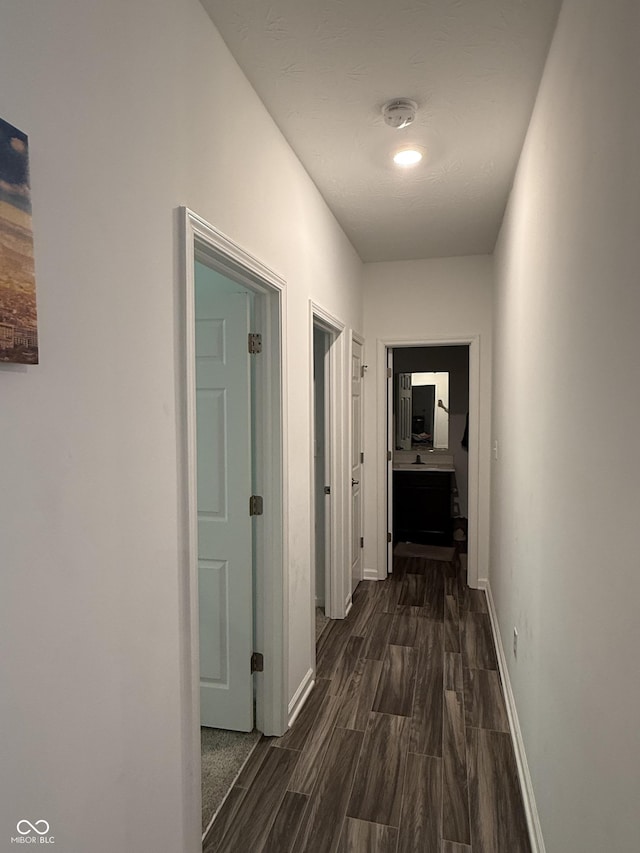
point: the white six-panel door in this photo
(224, 526)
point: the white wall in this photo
(566, 489)
(132, 111)
(441, 299)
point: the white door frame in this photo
(335, 579)
(355, 336)
(383, 445)
(390, 447)
(214, 249)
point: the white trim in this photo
(473, 533)
(526, 784)
(300, 696)
(219, 252)
(390, 447)
(348, 605)
(359, 339)
(370, 575)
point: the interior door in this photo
(224, 526)
(356, 463)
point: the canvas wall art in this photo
(18, 316)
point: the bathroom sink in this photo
(423, 466)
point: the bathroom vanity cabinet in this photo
(423, 506)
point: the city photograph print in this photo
(18, 317)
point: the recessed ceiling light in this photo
(407, 157)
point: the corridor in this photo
(403, 745)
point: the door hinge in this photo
(257, 662)
(363, 368)
(361, 457)
(362, 541)
(388, 537)
(255, 343)
(255, 505)
(327, 490)
(389, 373)
(388, 456)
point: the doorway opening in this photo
(430, 412)
(387, 350)
(231, 455)
(356, 461)
(322, 452)
(329, 584)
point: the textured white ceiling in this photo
(324, 69)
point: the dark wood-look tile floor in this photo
(403, 744)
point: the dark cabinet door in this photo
(422, 507)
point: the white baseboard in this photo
(526, 785)
(370, 575)
(300, 696)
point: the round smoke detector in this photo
(399, 113)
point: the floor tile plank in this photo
(474, 600)
(483, 700)
(377, 787)
(420, 821)
(455, 796)
(306, 772)
(452, 847)
(413, 591)
(388, 602)
(360, 619)
(302, 727)
(285, 827)
(322, 822)
(345, 665)
(425, 736)
(358, 836)
(453, 677)
(405, 630)
(358, 698)
(477, 641)
(331, 646)
(223, 820)
(498, 823)
(257, 810)
(451, 624)
(434, 597)
(253, 763)
(397, 682)
(378, 640)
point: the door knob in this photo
(355, 482)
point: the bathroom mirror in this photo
(421, 411)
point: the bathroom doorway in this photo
(430, 439)
(414, 446)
